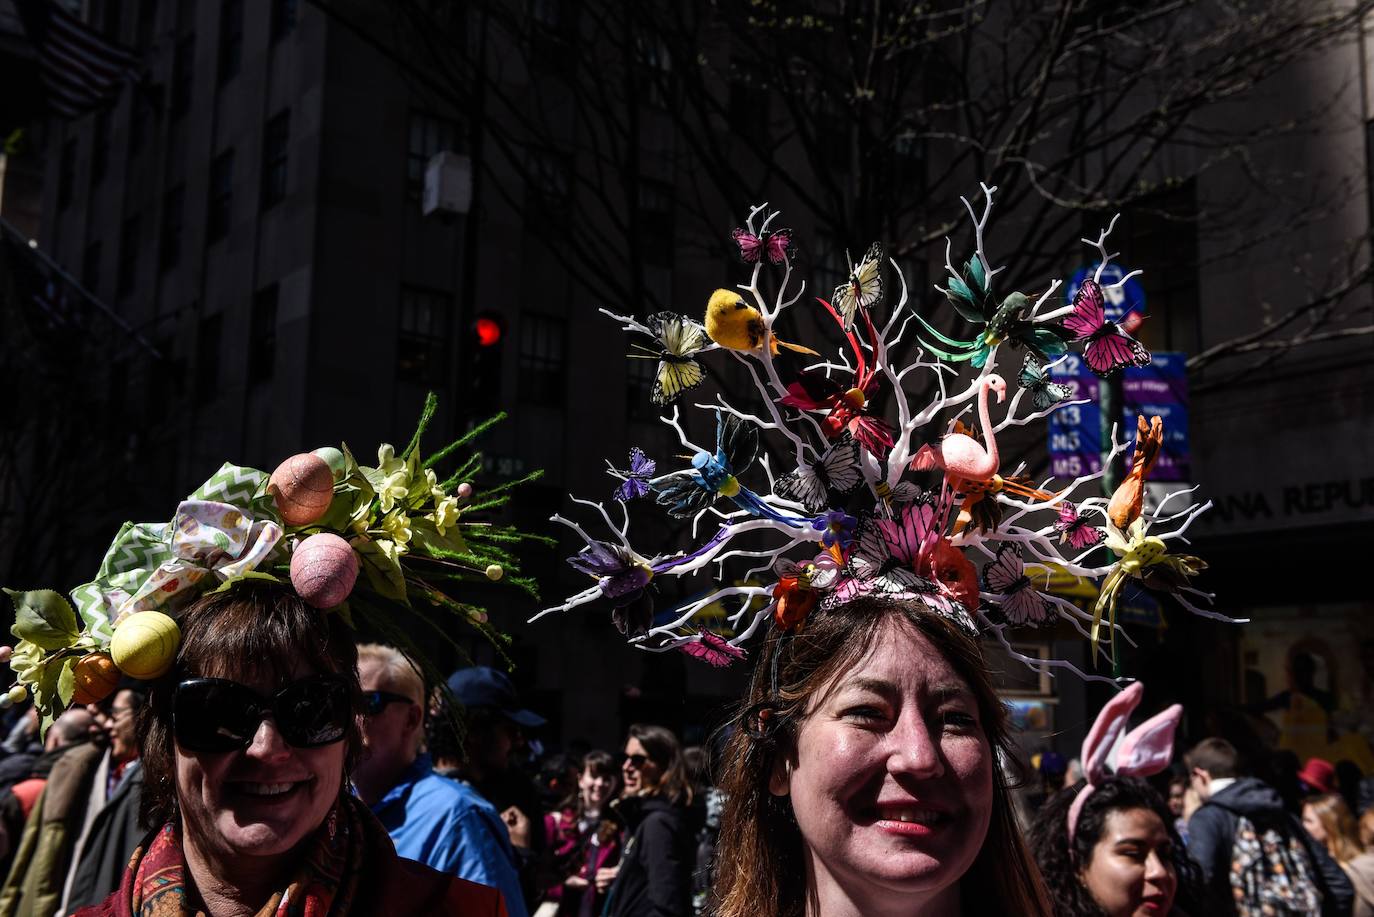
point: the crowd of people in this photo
(870, 773)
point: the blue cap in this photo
(481, 686)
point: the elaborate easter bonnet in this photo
(882, 492)
(368, 543)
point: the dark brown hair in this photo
(761, 854)
(665, 750)
(249, 630)
(1216, 756)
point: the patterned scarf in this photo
(325, 882)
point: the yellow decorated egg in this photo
(334, 458)
(96, 677)
(302, 487)
(145, 644)
(494, 572)
(323, 570)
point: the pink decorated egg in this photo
(302, 487)
(464, 491)
(323, 570)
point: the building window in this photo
(656, 69)
(230, 39)
(147, 22)
(551, 34)
(100, 147)
(284, 14)
(183, 73)
(275, 141)
(66, 175)
(169, 245)
(128, 257)
(428, 135)
(656, 222)
(550, 185)
(541, 359)
(262, 336)
(221, 196)
(90, 267)
(421, 336)
(207, 355)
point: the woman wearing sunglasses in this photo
(867, 776)
(246, 743)
(655, 872)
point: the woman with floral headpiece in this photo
(867, 777)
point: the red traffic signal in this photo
(488, 331)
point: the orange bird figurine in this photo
(1125, 505)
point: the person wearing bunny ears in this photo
(1107, 845)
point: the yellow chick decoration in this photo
(735, 325)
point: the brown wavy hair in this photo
(760, 852)
(663, 748)
(248, 630)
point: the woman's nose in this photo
(916, 751)
(268, 743)
(1156, 870)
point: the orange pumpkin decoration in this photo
(96, 677)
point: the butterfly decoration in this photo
(775, 244)
(1021, 605)
(1007, 321)
(1045, 393)
(635, 480)
(678, 340)
(837, 470)
(1075, 530)
(715, 475)
(864, 288)
(1108, 348)
(624, 578)
(799, 588)
(845, 405)
(1146, 558)
(712, 649)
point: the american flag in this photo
(82, 70)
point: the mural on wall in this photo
(1309, 680)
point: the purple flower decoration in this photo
(838, 527)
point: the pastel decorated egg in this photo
(17, 694)
(494, 572)
(145, 644)
(323, 570)
(334, 459)
(464, 491)
(302, 487)
(5, 653)
(96, 677)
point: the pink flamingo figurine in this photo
(960, 455)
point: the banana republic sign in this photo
(1294, 504)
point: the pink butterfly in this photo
(1074, 529)
(1021, 605)
(1109, 348)
(777, 245)
(713, 649)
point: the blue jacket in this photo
(447, 826)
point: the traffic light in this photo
(486, 340)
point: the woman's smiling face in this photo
(891, 780)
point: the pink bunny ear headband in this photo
(1146, 749)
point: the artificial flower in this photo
(445, 515)
(397, 527)
(837, 527)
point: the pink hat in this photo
(1319, 775)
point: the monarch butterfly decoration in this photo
(1108, 348)
(712, 649)
(776, 245)
(679, 340)
(863, 289)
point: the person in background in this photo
(1177, 801)
(1327, 818)
(431, 819)
(21, 747)
(1349, 779)
(1367, 828)
(112, 832)
(586, 841)
(655, 873)
(706, 809)
(1124, 858)
(71, 729)
(1253, 852)
(1317, 777)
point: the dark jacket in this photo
(113, 837)
(1211, 835)
(655, 878)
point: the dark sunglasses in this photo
(635, 761)
(217, 715)
(374, 702)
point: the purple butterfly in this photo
(1074, 529)
(635, 482)
(1109, 348)
(623, 577)
(1021, 605)
(777, 245)
(712, 649)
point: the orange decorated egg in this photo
(96, 677)
(323, 570)
(302, 487)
